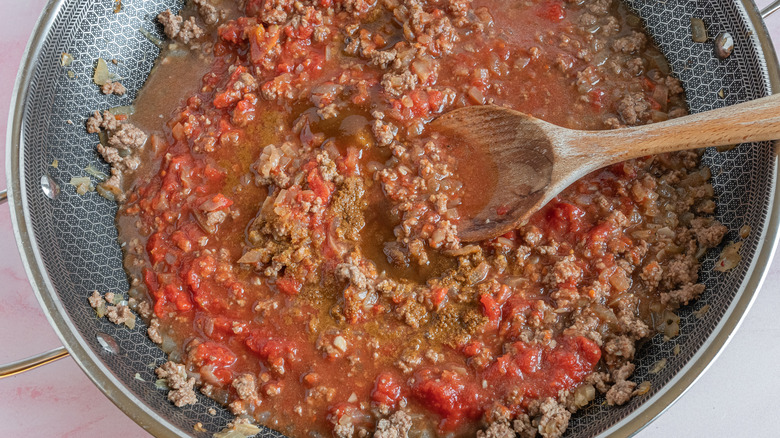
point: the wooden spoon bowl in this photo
(535, 160)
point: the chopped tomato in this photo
(449, 394)
(387, 390)
(289, 285)
(552, 11)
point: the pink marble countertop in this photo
(735, 397)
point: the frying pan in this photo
(68, 242)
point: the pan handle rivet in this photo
(108, 343)
(49, 186)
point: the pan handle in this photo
(31, 362)
(771, 8)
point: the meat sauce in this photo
(293, 224)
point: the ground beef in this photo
(127, 136)
(634, 108)
(329, 111)
(554, 419)
(396, 426)
(682, 270)
(178, 29)
(119, 314)
(144, 309)
(598, 7)
(182, 392)
(246, 387)
(620, 392)
(383, 58)
(523, 426)
(631, 324)
(709, 233)
(384, 132)
(619, 349)
(274, 11)
(154, 331)
(630, 44)
(346, 430)
(497, 429)
(113, 88)
(95, 300)
(396, 84)
(566, 271)
(683, 296)
(624, 372)
(675, 87)
(105, 121)
(208, 12)
(635, 66)
(125, 142)
(600, 381)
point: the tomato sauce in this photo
(280, 232)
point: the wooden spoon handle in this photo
(757, 120)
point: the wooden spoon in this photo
(535, 160)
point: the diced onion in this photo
(153, 39)
(66, 59)
(82, 184)
(658, 366)
(701, 312)
(643, 388)
(729, 258)
(101, 72)
(698, 30)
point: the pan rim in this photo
(155, 424)
(32, 261)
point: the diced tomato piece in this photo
(565, 218)
(245, 110)
(209, 297)
(231, 32)
(435, 100)
(178, 297)
(552, 11)
(472, 348)
(211, 353)
(349, 163)
(150, 280)
(214, 359)
(596, 98)
(157, 248)
(527, 357)
(273, 349)
(323, 189)
(261, 41)
(599, 235)
(289, 285)
(387, 390)
(588, 349)
(490, 308)
(215, 203)
(213, 174)
(438, 294)
(448, 394)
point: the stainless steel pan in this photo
(69, 248)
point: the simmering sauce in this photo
(293, 224)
